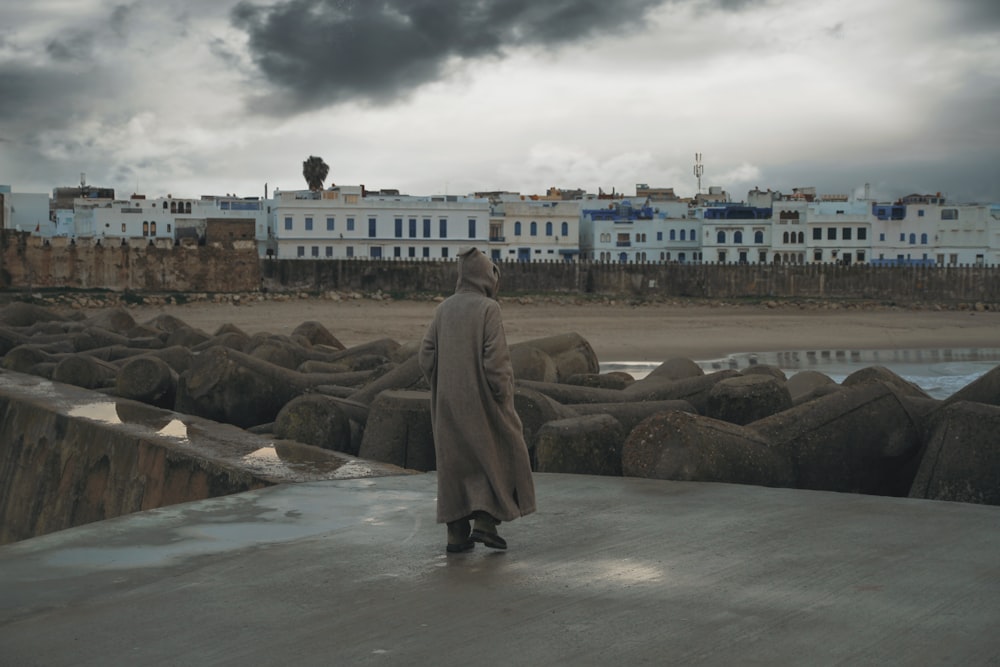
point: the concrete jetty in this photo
(610, 570)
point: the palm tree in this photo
(314, 170)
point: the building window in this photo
(517, 228)
(123, 228)
(831, 233)
(784, 237)
(548, 229)
(350, 224)
(818, 255)
(862, 233)
(412, 224)
(817, 234)
(152, 228)
(309, 223)
(758, 236)
(949, 214)
(329, 251)
(372, 227)
(682, 236)
(301, 251)
(722, 257)
(565, 229)
(534, 229)
(315, 251)
(881, 236)
(659, 236)
(168, 228)
(145, 228)
(737, 237)
(411, 252)
(397, 251)
(350, 250)
(920, 213)
(720, 237)
(443, 228)
(427, 228)
(399, 228)
(330, 224)
(861, 255)
(444, 251)
(673, 235)
(426, 251)
(923, 239)
(902, 237)
(690, 236)
(913, 239)
(288, 222)
(472, 228)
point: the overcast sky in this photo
(193, 97)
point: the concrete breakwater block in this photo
(148, 379)
(745, 399)
(588, 445)
(676, 368)
(398, 430)
(961, 461)
(856, 440)
(694, 390)
(315, 420)
(571, 353)
(530, 363)
(984, 389)
(807, 385)
(688, 447)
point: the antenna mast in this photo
(699, 169)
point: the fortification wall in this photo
(707, 281)
(28, 262)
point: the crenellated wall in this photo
(28, 262)
(707, 281)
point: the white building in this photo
(346, 221)
(534, 230)
(165, 219)
(838, 231)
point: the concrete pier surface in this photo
(609, 571)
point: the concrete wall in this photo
(61, 468)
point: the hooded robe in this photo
(482, 459)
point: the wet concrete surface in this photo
(609, 570)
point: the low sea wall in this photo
(70, 456)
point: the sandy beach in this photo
(619, 332)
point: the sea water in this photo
(939, 372)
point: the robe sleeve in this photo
(496, 356)
(427, 355)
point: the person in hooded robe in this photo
(483, 467)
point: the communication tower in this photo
(699, 169)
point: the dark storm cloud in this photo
(978, 15)
(325, 51)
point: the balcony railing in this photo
(497, 239)
(623, 244)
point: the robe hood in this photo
(477, 273)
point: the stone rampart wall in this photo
(706, 281)
(28, 262)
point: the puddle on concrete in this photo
(114, 412)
